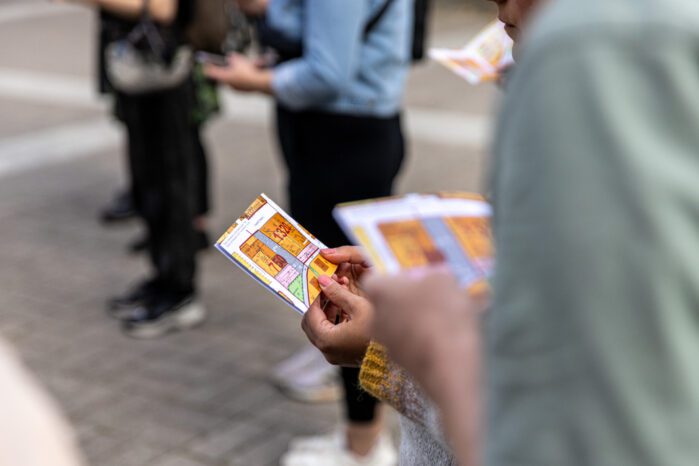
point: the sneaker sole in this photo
(120, 313)
(187, 317)
(318, 395)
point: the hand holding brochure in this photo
(279, 253)
(483, 59)
(417, 230)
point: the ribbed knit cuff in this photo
(377, 378)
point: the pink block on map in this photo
(307, 252)
(287, 275)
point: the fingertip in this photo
(325, 281)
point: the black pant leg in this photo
(162, 166)
(202, 190)
(131, 117)
(360, 407)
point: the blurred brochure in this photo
(484, 59)
(276, 251)
(418, 230)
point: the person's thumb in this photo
(339, 295)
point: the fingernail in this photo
(328, 251)
(324, 281)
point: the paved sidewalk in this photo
(195, 398)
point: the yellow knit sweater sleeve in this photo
(390, 383)
(375, 376)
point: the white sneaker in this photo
(307, 376)
(331, 450)
(336, 438)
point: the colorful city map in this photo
(419, 230)
(279, 253)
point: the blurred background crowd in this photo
(81, 173)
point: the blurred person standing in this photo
(338, 84)
(162, 162)
(206, 104)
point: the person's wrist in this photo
(257, 81)
(362, 349)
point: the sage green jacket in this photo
(593, 342)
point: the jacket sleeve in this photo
(332, 40)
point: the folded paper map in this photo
(279, 253)
(418, 230)
(481, 60)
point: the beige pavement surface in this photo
(200, 397)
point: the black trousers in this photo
(161, 156)
(202, 182)
(202, 189)
(333, 158)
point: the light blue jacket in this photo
(341, 72)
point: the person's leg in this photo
(202, 189)
(168, 200)
(202, 203)
(363, 413)
(200, 195)
(167, 206)
(353, 158)
(122, 205)
(132, 114)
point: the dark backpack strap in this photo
(288, 49)
(374, 21)
(420, 28)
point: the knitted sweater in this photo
(422, 442)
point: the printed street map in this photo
(278, 252)
(419, 230)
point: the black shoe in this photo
(142, 243)
(120, 208)
(121, 307)
(163, 315)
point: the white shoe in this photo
(336, 438)
(331, 450)
(307, 376)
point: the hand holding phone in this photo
(211, 59)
